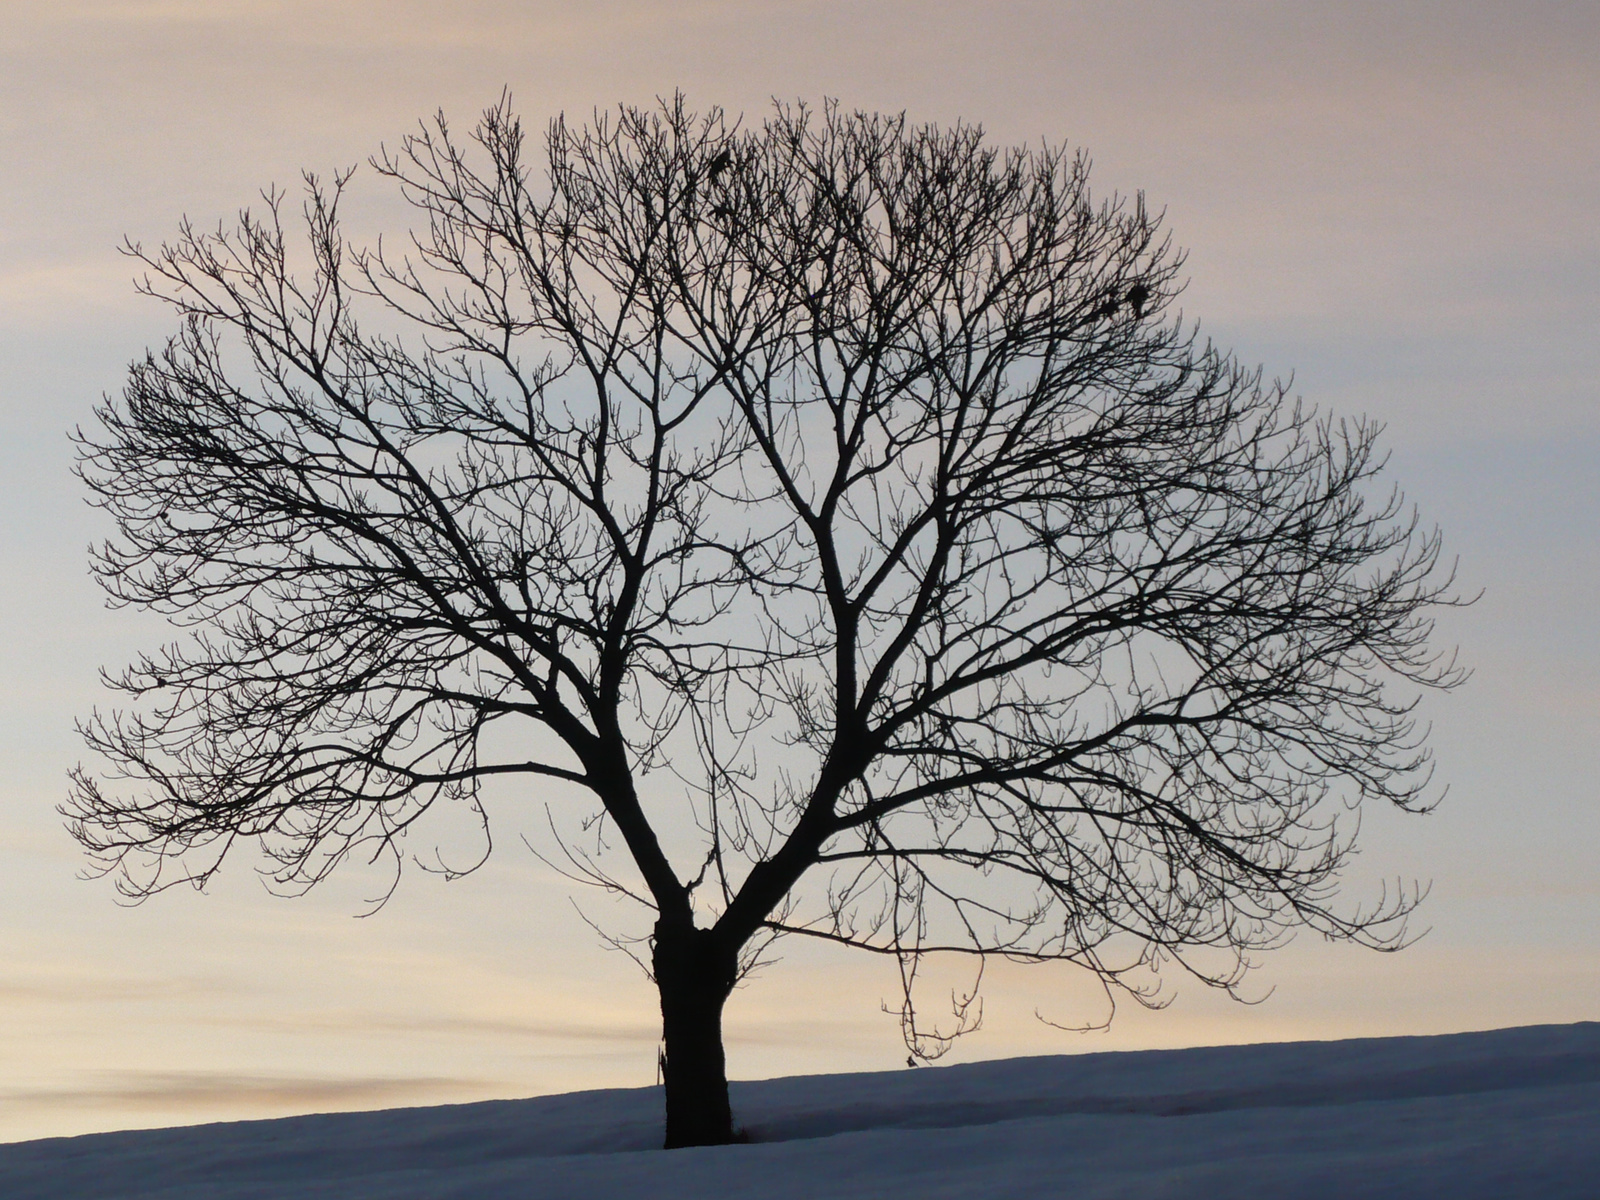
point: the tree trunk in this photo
(694, 975)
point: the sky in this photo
(1395, 202)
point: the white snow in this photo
(1510, 1113)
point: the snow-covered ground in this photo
(1506, 1114)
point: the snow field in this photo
(1508, 1113)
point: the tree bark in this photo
(694, 974)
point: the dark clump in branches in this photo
(860, 479)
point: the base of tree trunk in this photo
(694, 977)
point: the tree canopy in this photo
(835, 512)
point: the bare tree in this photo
(856, 483)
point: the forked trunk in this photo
(694, 976)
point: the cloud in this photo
(210, 1090)
(390, 1023)
(90, 989)
(44, 294)
(744, 1029)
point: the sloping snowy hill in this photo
(1510, 1113)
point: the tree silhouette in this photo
(829, 542)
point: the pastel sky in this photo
(1396, 202)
